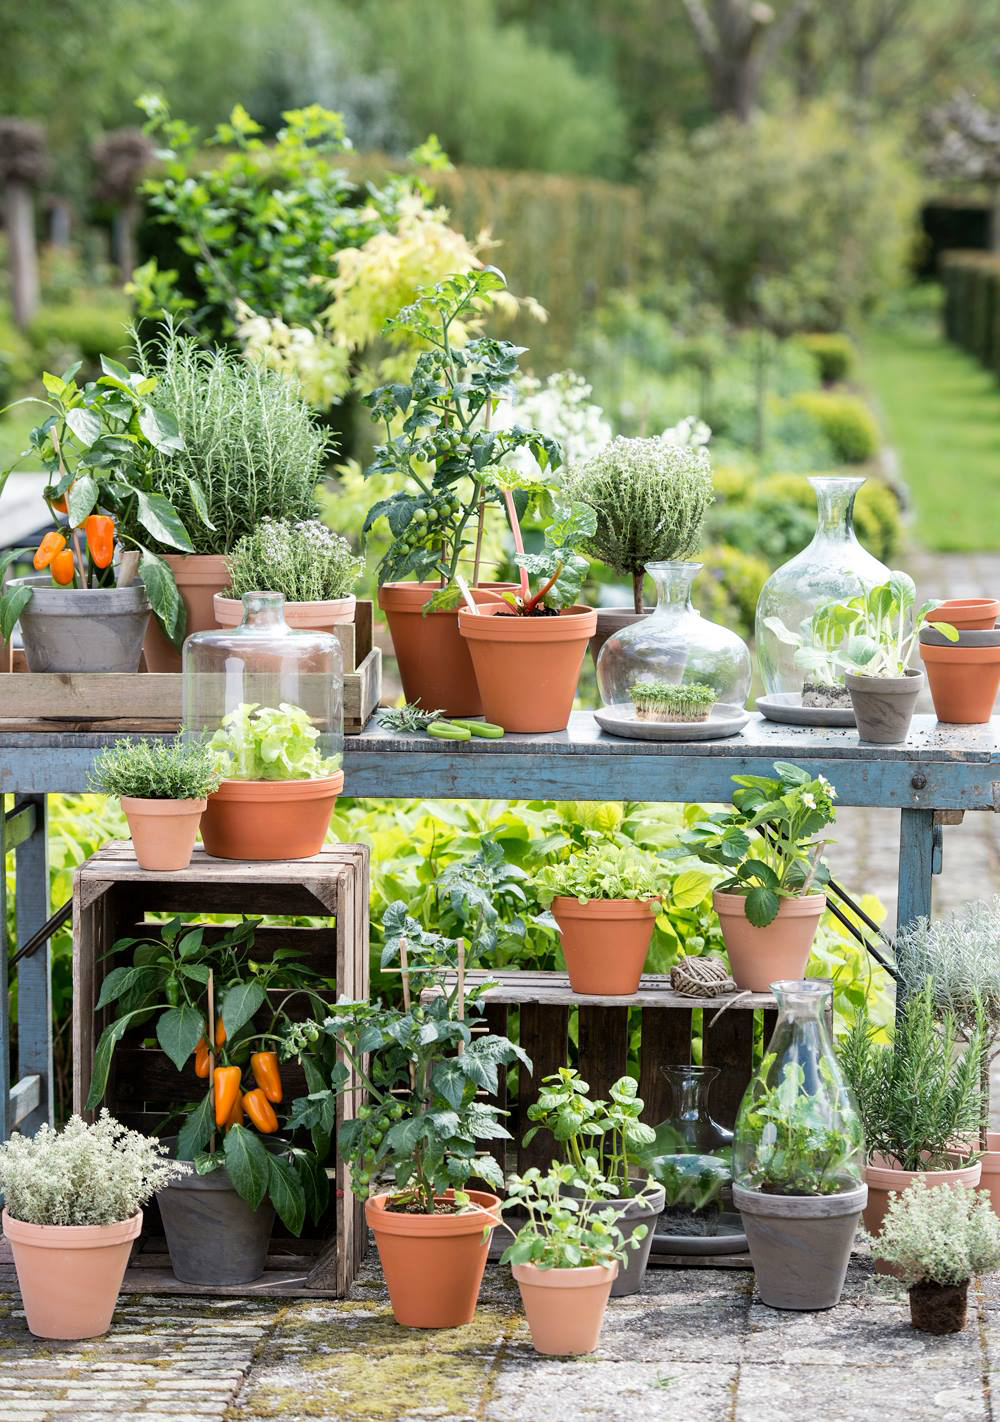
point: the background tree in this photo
(23, 164)
(738, 40)
(121, 158)
(966, 148)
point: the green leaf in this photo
(159, 517)
(239, 1005)
(110, 1038)
(287, 1193)
(164, 598)
(81, 498)
(12, 604)
(200, 502)
(762, 906)
(116, 371)
(191, 943)
(84, 424)
(196, 1131)
(53, 384)
(198, 972)
(119, 982)
(248, 1165)
(178, 1031)
(449, 1079)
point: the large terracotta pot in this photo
(70, 1275)
(759, 957)
(882, 1179)
(163, 831)
(989, 1163)
(433, 1264)
(269, 819)
(527, 668)
(565, 1307)
(302, 616)
(433, 660)
(605, 943)
(967, 614)
(964, 682)
(199, 576)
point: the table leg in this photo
(916, 865)
(34, 973)
(4, 1000)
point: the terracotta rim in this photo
(980, 611)
(194, 568)
(384, 1221)
(802, 907)
(492, 625)
(281, 789)
(887, 1177)
(130, 803)
(70, 1236)
(984, 655)
(410, 597)
(604, 908)
(565, 1278)
(302, 615)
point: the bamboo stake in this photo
(211, 1048)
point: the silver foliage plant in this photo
(943, 1236)
(651, 497)
(304, 561)
(958, 953)
(83, 1175)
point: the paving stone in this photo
(849, 1336)
(769, 1391)
(596, 1391)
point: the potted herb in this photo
(935, 1241)
(921, 1099)
(82, 610)
(440, 444)
(611, 1136)
(412, 1145)
(72, 1209)
(313, 568)
(218, 1217)
(661, 701)
(162, 786)
(567, 1255)
(252, 448)
(767, 908)
(798, 1157)
(650, 497)
(604, 900)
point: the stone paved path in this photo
(694, 1346)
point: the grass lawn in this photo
(941, 412)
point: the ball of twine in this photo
(701, 977)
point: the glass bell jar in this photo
(797, 1130)
(691, 1155)
(833, 567)
(674, 644)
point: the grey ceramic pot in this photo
(800, 1245)
(82, 629)
(975, 637)
(609, 621)
(213, 1236)
(883, 705)
(645, 1212)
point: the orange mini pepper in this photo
(220, 1032)
(266, 1074)
(59, 503)
(260, 1111)
(50, 545)
(100, 529)
(201, 1059)
(226, 1083)
(63, 568)
(236, 1114)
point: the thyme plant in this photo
(939, 1236)
(156, 770)
(304, 561)
(650, 497)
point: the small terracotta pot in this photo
(434, 663)
(199, 576)
(70, 1275)
(966, 614)
(605, 943)
(269, 819)
(759, 957)
(884, 1179)
(963, 682)
(939, 1308)
(990, 1164)
(302, 616)
(163, 831)
(565, 1307)
(433, 1264)
(527, 668)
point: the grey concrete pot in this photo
(609, 621)
(213, 1236)
(645, 1212)
(975, 637)
(800, 1245)
(884, 705)
(82, 629)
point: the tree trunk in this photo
(123, 240)
(637, 582)
(995, 217)
(20, 221)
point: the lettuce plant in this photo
(270, 743)
(603, 871)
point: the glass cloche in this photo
(832, 568)
(674, 644)
(268, 697)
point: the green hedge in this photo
(972, 304)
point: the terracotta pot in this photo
(759, 957)
(434, 663)
(800, 1245)
(883, 1179)
(199, 576)
(963, 682)
(269, 819)
(989, 1163)
(163, 831)
(527, 668)
(939, 1308)
(966, 614)
(565, 1307)
(433, 1264)
(302, 616)
(884, 705)
(70, 1275)
(605, 943)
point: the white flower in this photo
(690, 430)
(809, 799)
(562, 409)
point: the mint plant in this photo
(564, 1231)
(607, 1132)
(786, 1142)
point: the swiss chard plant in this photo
(423, 1069)
(563, 1230)
(166, 986)
(609, 1132)
(767, 843)
(269, 743)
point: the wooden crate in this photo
(112, 898)
(151, 701)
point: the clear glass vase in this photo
(691, 1156)
(833, 566)
(797, 1130)
(674, 644)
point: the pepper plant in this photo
(166, 984)
(609, 1132)
(421, 1067)
(97, 445)
(564, 1231)
(783, 860)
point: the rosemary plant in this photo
(659, 701)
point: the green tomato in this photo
(365, 1113)
(398, 1111)
(418, 515)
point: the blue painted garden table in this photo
(939, 773)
